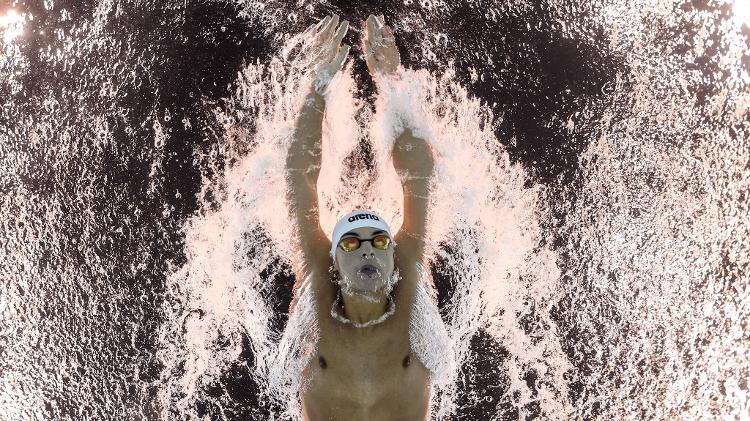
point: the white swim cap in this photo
(357, 219)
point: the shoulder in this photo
(315, 247)
(314, 284)
(314, 263)
(324, 290)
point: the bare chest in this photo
(365, 374)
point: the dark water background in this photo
(91, 224)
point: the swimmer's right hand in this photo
(321, 53)
(381, 53)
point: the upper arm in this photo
(409, 256)
(313, 243)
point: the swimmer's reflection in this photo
(365, 367)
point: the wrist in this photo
(313, 98)
(314, 103)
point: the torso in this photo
(366, 373)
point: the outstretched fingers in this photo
(323, 23)
(373, 29)
(332, 48)
(328, 31)
(340, 33)
(387, 34)
(338, 61)
(309, 30)
(321, 53)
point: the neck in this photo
(361, 309)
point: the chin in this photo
(365, 295)
(369, 289)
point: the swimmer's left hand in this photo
(412, 158)
(321, 54)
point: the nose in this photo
(367, 250)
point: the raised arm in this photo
(412, 156)
(322, 56)
(414, 162)
(302, 169)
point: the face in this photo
(367, 270)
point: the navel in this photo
(322, 362)
(407, 361)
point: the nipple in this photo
(322, 362)
(407, 361)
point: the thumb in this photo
(338, 61)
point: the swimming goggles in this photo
(380, 242)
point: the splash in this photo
(482, 230)
(620, 295)
(656, 278)
(11, 25)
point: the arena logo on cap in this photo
(362, 216)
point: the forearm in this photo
(304, 158)
(304, 154)
(302, 169)
(415, 212)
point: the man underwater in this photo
(368, 362)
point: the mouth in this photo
(369, 271)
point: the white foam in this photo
(479, 206)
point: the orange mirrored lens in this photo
(381, 242)
(349, 244)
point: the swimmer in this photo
(364, 367)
